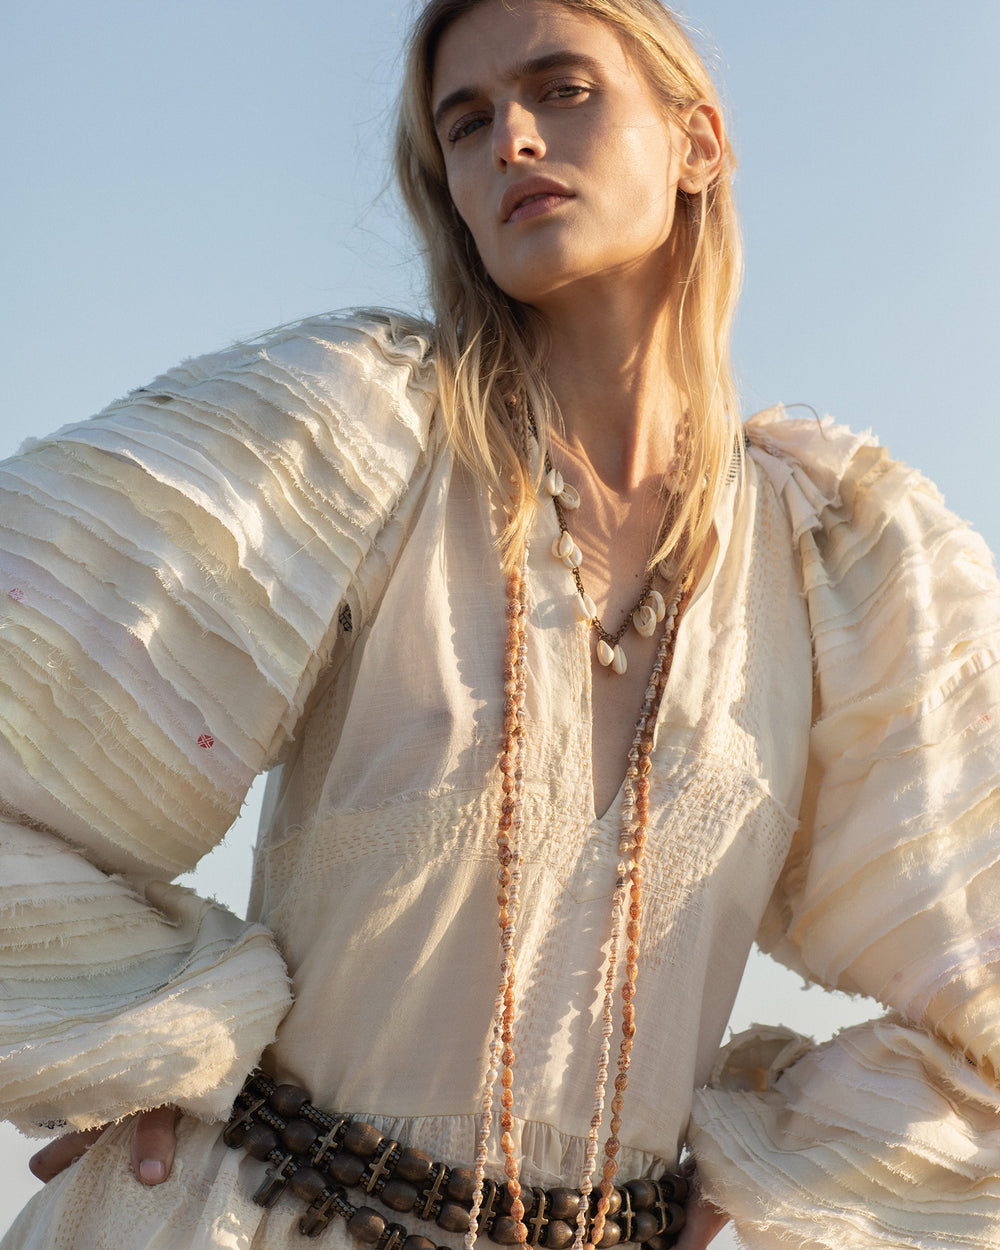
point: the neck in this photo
(612, 372)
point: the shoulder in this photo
(824, 472)
(335, 353)
(334, 381)
(849, 494)
(893, 579)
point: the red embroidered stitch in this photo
(17, 594)
(206, 741)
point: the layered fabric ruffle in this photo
(884, 1137)
(247, 497)
(890, 1134)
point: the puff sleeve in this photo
(170, 582)
(889, 1135)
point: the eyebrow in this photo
(525, 69)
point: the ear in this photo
(705, 153)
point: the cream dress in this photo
(173, 588)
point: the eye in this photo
(567, 91)
(466, 126)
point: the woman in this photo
(324, 551)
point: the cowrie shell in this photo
(563, 546)
(554, 483)
(644, 620)
(605, 655)
(618, 662)
(569, 497)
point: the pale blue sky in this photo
(179, 175)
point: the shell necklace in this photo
(648, 610)
(646, 613)
(626, 912)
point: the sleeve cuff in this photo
(883, 1137)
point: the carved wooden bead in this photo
(565, 1204)
(362, 1139)
(611, 1236)
(299, 1136)
(398, 1195)
(461, 1184)
(527, 1201)
(414, 1166)
(307, 1184)
(643, 1191)
(287, 1100)
(414, 1242)
(558, 1235)
(666, 1240)
(676, 1220)
(346, 1169)
(644, 1225)
(260, 1141)
(673, 1188)
(505, 1231)
(453, 1218)
(367, 1225)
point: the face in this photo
(559, 159)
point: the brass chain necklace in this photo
(646, 613)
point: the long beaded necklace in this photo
(628, 884)
(510, 827)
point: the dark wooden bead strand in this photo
(317, 1154)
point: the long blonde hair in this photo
(492, 350)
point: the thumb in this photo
(154, 1141)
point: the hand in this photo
(703, 1221)
(153, 1143)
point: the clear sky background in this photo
(178, 175)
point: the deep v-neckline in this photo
(611, 813)
(580, 644)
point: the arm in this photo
(889, 1135)
(173, 573)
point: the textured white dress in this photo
(172, 592)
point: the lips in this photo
(518, 199)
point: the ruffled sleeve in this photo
(170, 583)
(889, 1135)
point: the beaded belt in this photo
(318, 1154)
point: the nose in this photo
(515, 136)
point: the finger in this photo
(702, 1222)
(57, 1155)
(153, 1145)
